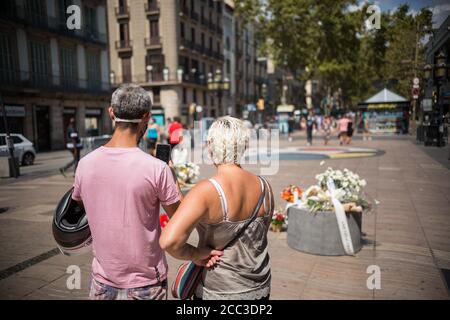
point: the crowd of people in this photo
(326, 126)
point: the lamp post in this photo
(437, 79)
(218, 85)
(180, 72)
(13, 165)
(112, 78)
(166, 74)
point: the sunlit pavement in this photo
(408, 237)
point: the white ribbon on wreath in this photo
(341, 217)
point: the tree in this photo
(325, 40)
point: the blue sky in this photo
(440, 8)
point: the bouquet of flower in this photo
(278, 219)
(288, 193)
(348, 191)
(187, 173)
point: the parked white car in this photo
(23, 148)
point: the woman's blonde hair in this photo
(228, 138)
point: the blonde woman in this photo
(223, 209)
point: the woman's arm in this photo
(176, 234)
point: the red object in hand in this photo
(163, 219)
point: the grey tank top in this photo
(244, 269)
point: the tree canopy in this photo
(329, 40)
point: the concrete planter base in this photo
(318, 233)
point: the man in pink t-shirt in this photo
(121, 188)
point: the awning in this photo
(286, 108)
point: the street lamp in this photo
(112, 78)
(180, 72)
(427, 70)
(441, 66)
(436, 129)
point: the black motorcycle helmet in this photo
(70, 226)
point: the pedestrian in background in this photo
(291, 124)
(74, 145)
(349, 129)
(326, 128)
(175, 132)
(153, 136)
(310, 125)
(366, 128)
(343, 129)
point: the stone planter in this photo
(318, 233)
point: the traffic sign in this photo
(416, 81)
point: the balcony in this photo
(152, 8)
(212, 26)
(194, 15)
(184, 11)
(204, 21)
(187, 44)
(12, 80)
(124, 45)
(196, 78)
(122, 12)
(154, 41)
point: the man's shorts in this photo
(101, 291)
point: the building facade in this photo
(169, 47)
(49, 73)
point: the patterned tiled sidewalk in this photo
(408, 237)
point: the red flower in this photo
(163, 219)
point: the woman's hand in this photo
(207, 257)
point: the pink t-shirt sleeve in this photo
(167, 189)
(76, 194)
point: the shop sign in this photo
(382, 106)
(14, 111)
(427, 105)
(93, 112)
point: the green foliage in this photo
(325, 40)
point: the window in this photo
(126, 69)
(122, 3)
(203, 39)
(63, 5)
(184, 96)
(182, 32)
(194, 96)
(228, 67)
(93, 68)
(40, 64)
(90, 20)
(36, 10)
(124, 33)
(193, 35)
(227, 43)
(210, 43)
(7, 70)
(155, 59)
(16, 139)
(154, 28)
(205, 101)
(68, 66)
